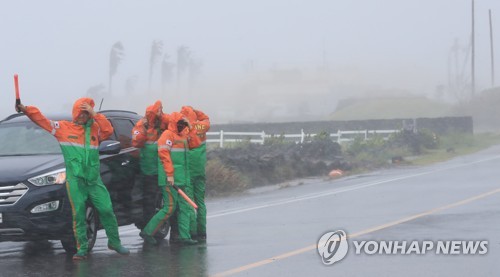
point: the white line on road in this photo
(340, 190)
(360, 233)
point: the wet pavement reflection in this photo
(46, 259)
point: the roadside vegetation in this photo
(457, 145)
(245, 165)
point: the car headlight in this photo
(57, 177)
(46, 207)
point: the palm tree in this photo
(115, 57)
(183, 56)
(167, 72)
(156, 51)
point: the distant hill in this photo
(388, 108)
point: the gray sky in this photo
(61, 48)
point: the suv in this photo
(33, 200)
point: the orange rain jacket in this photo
(172, 150)
(79, 143)
(200, 124)
(145, 136)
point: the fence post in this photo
(221, 141)
(339, 133)
(302, 136)
(263, 137)
(366, 134)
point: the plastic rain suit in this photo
(200, 124)
(145, 135)
(79, 145)
(173, 153)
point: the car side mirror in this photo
(109, 147)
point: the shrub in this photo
(223, 180)
(376, 151)
(324, 135)
(275, 140)
(415, 142)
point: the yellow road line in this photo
(364, 232)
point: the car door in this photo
(121, 170)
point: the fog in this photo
(259, 60)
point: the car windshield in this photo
(26, 138)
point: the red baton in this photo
(18, 98)
(185, 196)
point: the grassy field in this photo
(457, 145)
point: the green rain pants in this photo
(173, 202)
(185, 213)
(169, 203)
(79, 191)
(197, 163)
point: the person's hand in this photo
(21, 108)
(170, 180)
(86, 107)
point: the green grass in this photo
(456, 145)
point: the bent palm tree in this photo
(156, 51)
(115, 57)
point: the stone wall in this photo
(441, 125)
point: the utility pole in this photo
(492, 56)
(473, 77)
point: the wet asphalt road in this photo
(273, 232)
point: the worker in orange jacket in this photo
(200, 124)
(79, 141)
(145, 135)
(173, 169)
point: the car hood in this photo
(20, 168)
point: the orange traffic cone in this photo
(335, 173)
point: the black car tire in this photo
(92, 220)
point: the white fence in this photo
(260, 137)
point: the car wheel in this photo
(92, 221)
(163, 231)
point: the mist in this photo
(245, 61)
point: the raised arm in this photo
(105, 127)
(201, 116)
(38, 118)
(165, 119)
(202, 123)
